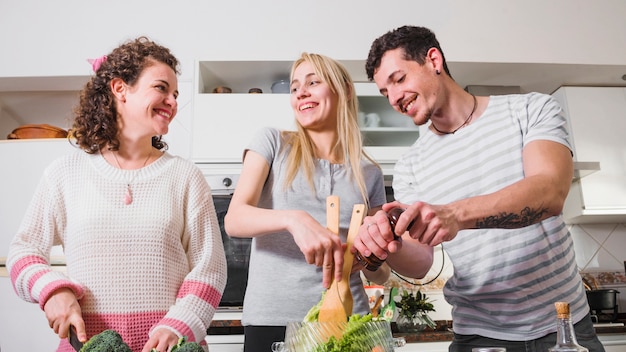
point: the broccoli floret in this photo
(190, 347)
(106, 341)
(184, 346)
(181, 341)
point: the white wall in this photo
(42, 38)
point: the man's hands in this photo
(432, 224)
(429, 225)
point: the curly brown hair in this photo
(95, 121)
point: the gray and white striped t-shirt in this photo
(505, 282)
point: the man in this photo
(488, 181)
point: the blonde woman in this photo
(280, 202)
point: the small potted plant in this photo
(413, 311)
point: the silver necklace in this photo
(464, 123)
(128, 195)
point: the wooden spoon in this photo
(332, 214)
(338, 302)
(332, 218)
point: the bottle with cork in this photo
(565, 335)
(372, 263)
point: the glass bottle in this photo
(372, 262)
(565, 335)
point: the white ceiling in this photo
(51, 99)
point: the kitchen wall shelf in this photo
(240, 76)
(224, 123)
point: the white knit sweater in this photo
(157, 262)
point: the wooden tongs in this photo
(338, 302)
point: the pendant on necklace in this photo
(128, 196)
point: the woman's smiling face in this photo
(151, 103)
(312, 100)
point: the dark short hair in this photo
(414, 41)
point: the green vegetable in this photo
(106, 341)
(188, 347)
(184, 346)
(356, 337)
(314, 313)
(358, 334)
(181, 341)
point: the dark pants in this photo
(260, 338)
(585, 334)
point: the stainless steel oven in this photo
(237, 249)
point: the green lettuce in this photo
(357, 337)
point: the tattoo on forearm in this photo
(526, 217)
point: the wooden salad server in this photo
(332, 217)
(338, 302)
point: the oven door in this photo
(237, 258)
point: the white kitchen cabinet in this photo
(439, 346)
(23, 326)
(613, 342)
(225, 343)
(224, 123)
(597, 123)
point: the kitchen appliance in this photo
(237, 249)
(601, 301)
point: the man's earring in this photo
(438, 72)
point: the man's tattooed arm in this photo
(526, 217)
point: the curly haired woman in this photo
(138, 226)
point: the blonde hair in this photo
(349, 146)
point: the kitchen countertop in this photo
(611, 329)
(425, 336)
(443, 332)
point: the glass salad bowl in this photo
(372, 336)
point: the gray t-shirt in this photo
(505, 281)
(282, 287)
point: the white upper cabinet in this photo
(597, 121)
(224, 123)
